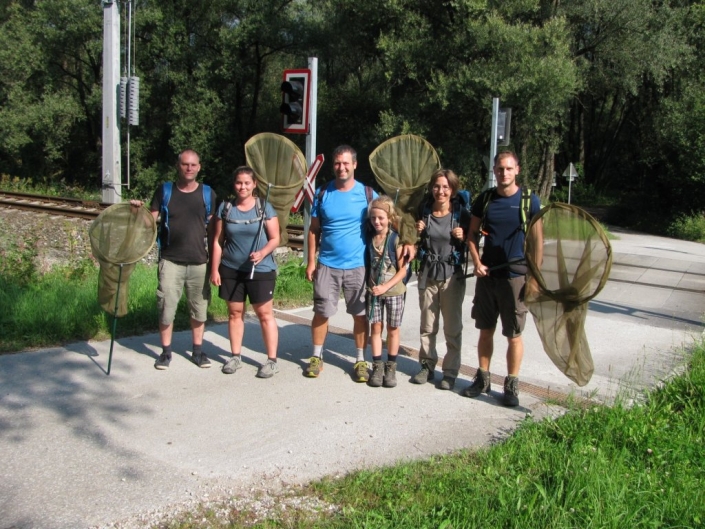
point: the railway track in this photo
(90, 209)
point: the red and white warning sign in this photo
(308, 188)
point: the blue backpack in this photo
(167, 187)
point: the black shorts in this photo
(503, 298)
(236, 286)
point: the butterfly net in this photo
(278, 161)
(569, 259)
(121, 235)
(405, 163)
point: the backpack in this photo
(461, 201)
(524, 209)
(391, 253)
(227, 208)
(167, 187)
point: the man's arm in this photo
(314, 233)
(473, 241)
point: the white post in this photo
(491, 181)
(112, 175)
(311, 141)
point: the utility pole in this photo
(111, 177)
(311, 141)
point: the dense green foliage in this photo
(615, 86)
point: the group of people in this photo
(353, 249)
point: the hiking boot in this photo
(201, 360)
(390, 374)
(163, 361)
(377, 374)
(315, 366)
(268, 369)
(447, 383)
(232, 365)
(511, 391)
(360, 373)
(481, 384)
(426, 373)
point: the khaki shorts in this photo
(173, 277)
(500, 297)
(327, 285)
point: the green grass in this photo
(688, 227)
(61, 306)
(619, 466)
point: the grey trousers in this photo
(442, 298)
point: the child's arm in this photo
(378, 290)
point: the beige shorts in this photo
(173, 277)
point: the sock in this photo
(272, 360)
(166, 350)
(360, 355)
(391, 358)
(197, 349)
(377, 358)
(318, 351)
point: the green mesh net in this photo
(404, 165)
(569, 259)
(278, 161)
(120, 236)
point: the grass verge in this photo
(617, 466)
(61, 306)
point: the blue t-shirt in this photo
(504, 240)
(342, 215)
(240, 238)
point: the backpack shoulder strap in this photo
(227, 207)
(207, 198)
(368, 194)
(525, 208)
(166, 194)
(392, 248)
(485, 199)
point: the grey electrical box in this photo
(134, 104)
(504, 123)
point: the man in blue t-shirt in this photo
(337, 232)
(501, 274)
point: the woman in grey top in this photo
(441, 278)
(243, 267)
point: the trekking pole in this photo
(261, 227)
(503, 265)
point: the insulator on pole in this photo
(134, 107)
(123, 97)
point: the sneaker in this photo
(315, 366)
(377, 374)
(360, 371)
(201, 360)
(163, 361)
(511, 391)
(268, 369)
(232, 365)
(426, 373)
(390, 374)
(447, 383)
(481, 384)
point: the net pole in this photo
(115, 317)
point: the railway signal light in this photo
(296, 89)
